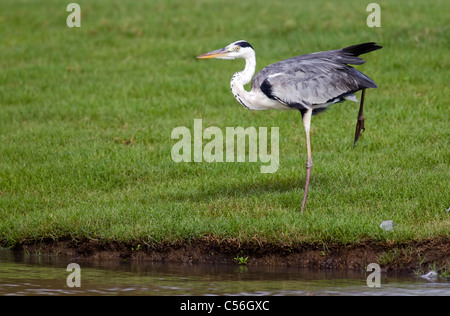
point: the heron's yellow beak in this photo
(220, 53)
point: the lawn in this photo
(86, 116)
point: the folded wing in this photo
(315, 79)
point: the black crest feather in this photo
(244, 44)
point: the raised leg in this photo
(307, 125)
(360, 122)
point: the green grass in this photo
(86, 116)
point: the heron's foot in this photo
(359, 128)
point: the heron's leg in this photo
(307, 125)
(360, 122)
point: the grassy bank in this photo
(86, 116)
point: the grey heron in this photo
(309, 83)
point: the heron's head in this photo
(239, 49)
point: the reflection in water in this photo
(27, 274)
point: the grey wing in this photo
(313, 79)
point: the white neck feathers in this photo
(240, 79)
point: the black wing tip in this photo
(363, 48)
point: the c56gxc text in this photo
(246, 305)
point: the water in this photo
(31, 274)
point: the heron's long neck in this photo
(242, 78)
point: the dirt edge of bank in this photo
(396, 256)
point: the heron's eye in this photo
(238, 47)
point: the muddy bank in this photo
(398, 257)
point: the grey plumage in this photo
(309, 83)
(315, 80)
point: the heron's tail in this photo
(350, 54)
(360, 49)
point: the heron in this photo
(308, 83)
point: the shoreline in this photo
(401, 257)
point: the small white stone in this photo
(387, 225)
(430, 276)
